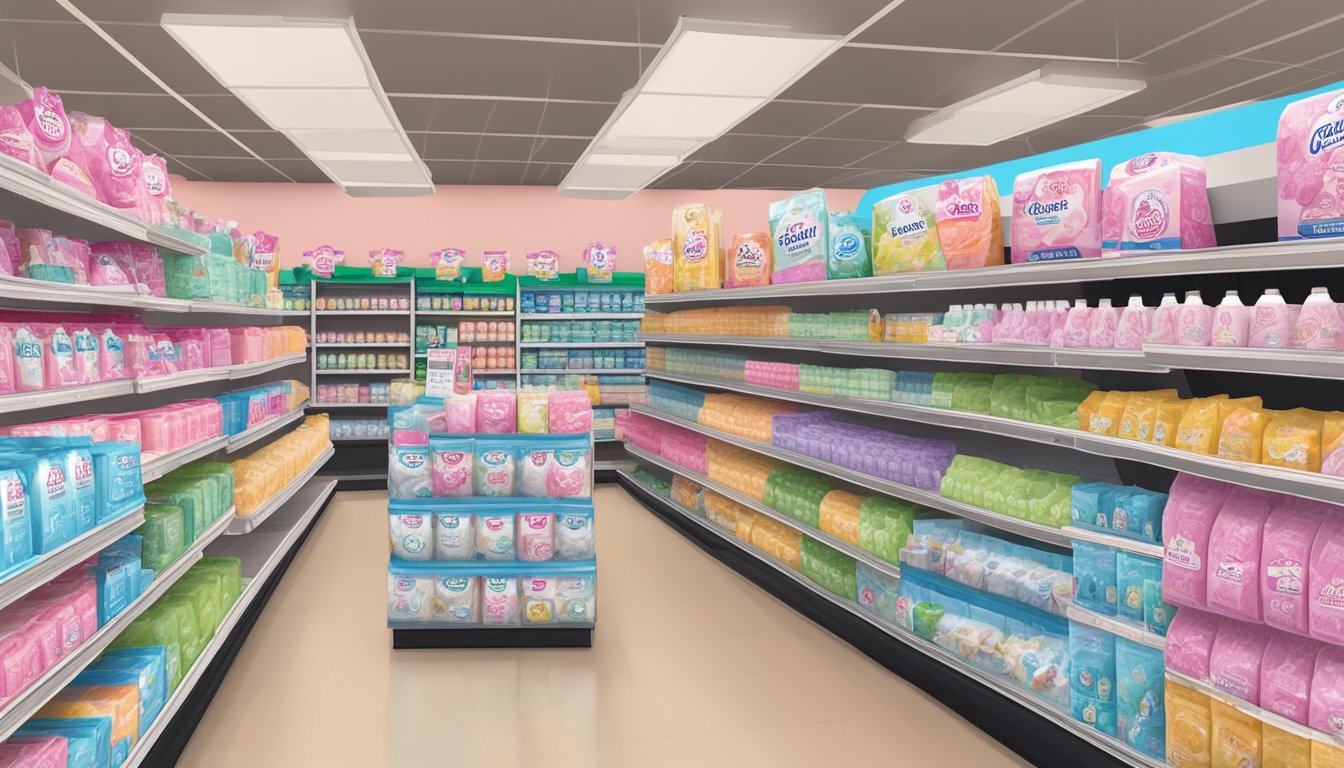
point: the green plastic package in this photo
(885, 524)
(157, 626)
(850, 254)
(797, 493)
(833, 571)
(163, 536)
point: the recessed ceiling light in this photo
(1057, 91)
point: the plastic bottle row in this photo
(362, 337)
(572, 302)
(491, 594)
(463, 303)
(369, 361)
(580, 331)
(363, 303)
(531, 530)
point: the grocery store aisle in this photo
(691, 665)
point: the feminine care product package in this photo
(1311, 167)
(1158, 201)
(1057, 213)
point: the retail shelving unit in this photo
(436, 303)
(327, 317)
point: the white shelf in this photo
(585, 371)
(931, 499)
(24, 181)
(382, 439)
(363, 345)
(203, 375)
(52, 564)
(1263, 715)
(582, 316)
(63, 295)
(162, 465)
(1118, 542)
(362, 371)
(581, 344)
(304, 506)
(363, 312)
(246, 523)
(1115, 626)
(1311, 485)
(1279, 362)
(1018, 696)
(1260, 257)
(27, 401)
(325, 406)
(271, 425)
(494, 372)
(467, 313)
(227, 308)
(26, 704)
(829, 540)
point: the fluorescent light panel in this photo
(315, 84)
(1055, 92)
(706, 79)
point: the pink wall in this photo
(475, 218)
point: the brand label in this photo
(1285, 576)
(118, 161)
(83, 472)
(1142, 163)
(49, 123)
(566, 458)
(494, 524)
(961, 200)
(1230, 573)
(798, 233)
(1150, 214)
(602, 258)
(494, 458)
(1332, 595)
(536, 522)
(454, 583)
(695, 246)
(155, 181)
(847, 247)
(1181, 553)
(61, 345)
(412, 459)
(1037, 208)
(750, 255)
(573, 522)
(1329, 129)
(404, 584)
(413, 521)
(538, 458)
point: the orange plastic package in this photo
(1087, 410)
(1106, 421)
(729, 515)
(778, 541)
(749, 261)
(697, 251)
(1189, 727)
(1198, 429)
(840, 515)
(1167, 421)
(969, 226)
(659, 273)
(1326, 755)
(687, 493)
(1236, 738)
(119, 702)
(1332, 444)
(1293, 439)
(1283, 749)
(1242, 434)
(1139, 418)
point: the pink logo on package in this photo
(14, 496)
(55, 483)
(413, 521)
(1332, 595)
(963, 208)
(155, 181)
(1151, 212)
(749, 255)
(1141, 163)
(118, 160)
(696, 245)
(49, 122)
(905, 205)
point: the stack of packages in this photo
(261, 475)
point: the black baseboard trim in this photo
(504, 637)
(167, 751)
(1033, 737)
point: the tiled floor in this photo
(691, 666)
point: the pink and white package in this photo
(1325, 712)
(536, 532)
(1311, 167)
(35, 751)
(460, 414)
(1157, 202)
(1325, 580)
(47, 123)
(15, 138)
(1057, 213)
(1186, 525)
(1190, 641)
(1234, 554)
(1234, 661)
(1285, 553)
(567, 473)
(1285, 675)
(496, 412)
(569, 412)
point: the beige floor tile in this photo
(692, 667)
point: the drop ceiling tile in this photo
(874, 123)
(568, 119)
(780, 118)
(860, 76)
(869, 179)
(829, 152)
(836, 18)
(41, 53)
(1174, 96)
(783, 177)
(179, 168)
(447, 146)
(136, 111)
(419, 114)
(553, 174)
(166, 58)
(500, 67)
(558, 150)
(933, 159)
(507, 148)
(498, 173)
(741, 148)
(190, 143)
(700, 175)
(514, 117)
(301, 170)
(1249, 34)
(1078, 130)
(450, 171)
(933, 23)
(1127, 27)
(228, 112)
(1287, 81)
(36, 10)
(233, 169)
(269, 144)
(612, 20)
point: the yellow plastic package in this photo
(1106, 421)
(1198, 430)
(1293, 439)
(658, 269)
(1236, 738)
(1332, 443)
(1167, 420)
(697, 250)
(533, 413)
(1242, 434)
(494, 265)
(778, 541)
(1189, 727)
(1326, 755)
(1087, 410)
(905, 235)
(840, 515)
(729, 515)
(687, 493)
(1285, 750)
(1140, 416)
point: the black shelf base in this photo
(1037, 739)
(503, 637)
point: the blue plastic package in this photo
(877, 592)
(74, 452)
(1094, 584)
(1092, 663)
(1140, 713)
(574, 531)
(148, 664)
(1092, 504)
(118, 486)
(1098, 714)
(408, 472)
(1137, 514)
(88, 739)
(16, 533)
(1157, 613)
(118, 579)
(50, 500)
(1131, 571)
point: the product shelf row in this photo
(72, 553)
(246, 523)
(1309, 485)
(1153, 358)
(1057, 717)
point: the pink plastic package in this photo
(1190, 641)
(35, 751)
(450, 473)
(567, 474)
(1186, 525)
(154, 182)
(1234, 554)
(1057, 213)
(15, 138)
(1310, 158)
(20, 660)
(123, 428)
(110, 159)
(7, 384)
(496, 412)
(1234, 661)
(149, 268)
(536, 534)
(1285, 553)
(47, 124)
(1325, 712)
(569, 412)
(248, 344)
(9, 243)
(59, 356)
(1285, 675)
(1325, 580)
(1157, 202)
(460, 413)
(77, 589)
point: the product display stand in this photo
(437, 303)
